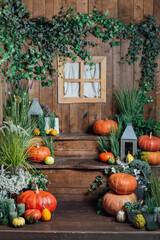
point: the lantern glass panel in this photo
(128, 148)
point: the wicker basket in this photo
(36, 140)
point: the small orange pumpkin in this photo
(102, 127)
(38, 153)
(32, 215)
(104, 157)
(46, 215)
(113, 202)
(53, 132)
(153, 158)
(36, 132)
(122, 183)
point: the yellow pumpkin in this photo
(36, 132)
(46, 215)
(18, 222)
(47, 131)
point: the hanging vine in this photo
(30, 46)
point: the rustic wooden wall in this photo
(80, 117)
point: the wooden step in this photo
(74, 176)
(75, 219)
(76, 145)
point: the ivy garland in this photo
(30, 46)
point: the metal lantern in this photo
(35, 109)
(128, 142)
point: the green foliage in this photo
(41, 124)
(132, 207)
(103, 145)
(4, 210)
(96, 183)
(155, 187)
(49, 144)
(142, 165)
(17, 107)
(42, 41)
(14, 140)
(52, 120)
(150, 204)
(39, 179)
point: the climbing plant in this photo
(29, 47)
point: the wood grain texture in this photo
(80, 117)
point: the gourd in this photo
(53, 132)
(36, 132)
(49, 160)
(149, 143)
(18, 222)
(139, 221)
(113, 202)
(46, 215)
(38, 200)
(32, 215)
(105, 156)
(122, 183)
(38, 153)
(153, 158)
(121, 216)
(129, 158)
(104, 127)
(111, 161)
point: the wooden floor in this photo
(76, 220)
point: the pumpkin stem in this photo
(150, 135)
(37, 145)
(37, 190)
(106, 119)
(105, 151)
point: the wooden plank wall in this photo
(80, 117)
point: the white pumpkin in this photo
(121, 216)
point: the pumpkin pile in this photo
(150, 146)
(39, 205)
(122, 187)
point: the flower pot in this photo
(149, 217)
(139, 192)
(157, 215)
(131, 216)
(47, 123)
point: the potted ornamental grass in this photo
(148, 209)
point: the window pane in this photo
(92, 72)
(71, 70)
(92, 89)
(71, 89)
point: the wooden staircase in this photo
(75, 218)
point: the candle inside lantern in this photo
(12, 216)
(21, 209)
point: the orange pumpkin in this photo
(122, 183)
(102, 127)
(53, 132)
(152, 158)
(36, 132)
(113, 202)
(104, 157)
(38, 200)
(149, 143)
(32, 215)
(38, 153)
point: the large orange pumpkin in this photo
(38, 153)
(122, 183)
(38, 200)
(113, 202)
(102, 127)
(152, 158)
(149, 143)
(32, 215)
(104, 157)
